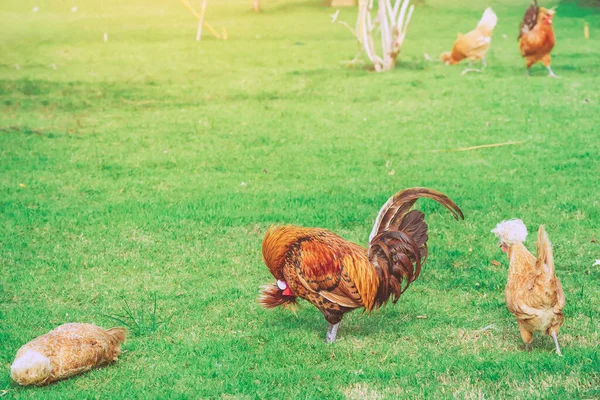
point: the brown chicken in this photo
(65, 351)
(475, 44)
(338, 276)
(536, 37)
(533, 292)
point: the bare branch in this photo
(396, 7)
(390, 11)
(385, 29)
(392, 29)
(410, 12)
(400, 20)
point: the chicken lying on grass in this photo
(533, 292)
(536, 37)
(65, 351)
(338, 276)
(475, 44)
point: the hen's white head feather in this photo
(511, 232)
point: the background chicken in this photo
(536, 37)
(66, 351)
(475, 44)
(533, 292)
(338, 276)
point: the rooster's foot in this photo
(527, 346)
(551, 74)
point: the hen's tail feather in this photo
(545, 259)
(272, 297)
(488, 20)
(393, 211)
(31, 368)
(117, 334)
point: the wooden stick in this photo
(483, 146)
(201, 20)
(195, 14)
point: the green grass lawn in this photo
(121, 176)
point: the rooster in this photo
(475, 44)
(533, 292)
(65, 351)
(338, 276)
(536, 37)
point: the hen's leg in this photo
(332, 332)
(483, 62)
(526, 336)
(556, 343)
(551, 74)
(469, 67)
(546, 61)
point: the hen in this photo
(533, 292)
(475, 44)
(536, 37)
(65, 351)
(338, 276)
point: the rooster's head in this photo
(545, 15)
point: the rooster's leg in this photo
(483, 62)
(546, 60)
(556, 343)
(332, 332)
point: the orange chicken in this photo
(536, 37)
(338, 276)
(65, 351)
(475, 44)
(533, 292)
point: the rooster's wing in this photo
(529, 19)
(336, 269)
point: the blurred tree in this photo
(392, 22)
